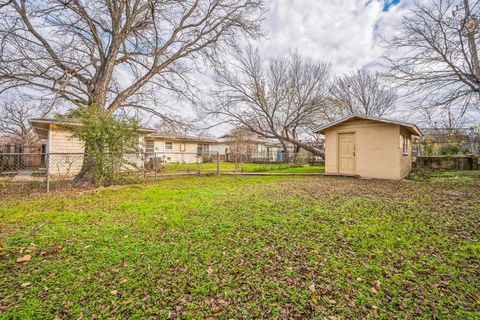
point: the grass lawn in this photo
(246, 167)
(245, 247)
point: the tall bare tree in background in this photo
(362, 92)
(111, 53)
(15, 111)
(435, 54)
(276, 98)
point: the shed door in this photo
(346, 153)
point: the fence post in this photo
(47, 156)
(198, 166)
(155, 164)
(218, 163)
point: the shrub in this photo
(428, 147)
(450, 149)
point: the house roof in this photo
(409, 126)
(180, 137)
(42, 125)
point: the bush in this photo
(450, 149)
(428, 147)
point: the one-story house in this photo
(368, 147)
(66, 151)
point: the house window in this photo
(182, 146)
(168, 145)
(202, 148)
(149, 146)
(405, 145)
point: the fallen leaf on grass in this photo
(25, 258)
(116, 270)
(311, 287)
(209, 271)
(114, 292)
(374, 291)
(26, 284)
(122, 280)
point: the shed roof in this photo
(409, 126)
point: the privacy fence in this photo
(30, 172)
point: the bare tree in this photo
(107, 53)
(15, 111)
(364, 93)
(279, 98)
(435, 54)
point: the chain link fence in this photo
(30, 172)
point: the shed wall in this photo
(377, 148)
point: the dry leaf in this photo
(26, 284)
(332, 301)
(25, 258)
(313, 298)
(374, 291)
(116, 270)
(114, 292)
(311, 287)
(209, 271)
(125, 264)
(122, 280)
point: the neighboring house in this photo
(368, 147)
(248, 146)
(178, 148)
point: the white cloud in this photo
(344, 32)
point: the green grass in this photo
(447, 177)
(241, 167)
(244, 247)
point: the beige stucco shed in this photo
(368, 147)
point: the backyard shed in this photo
(368, 147)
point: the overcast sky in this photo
(344, 32)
